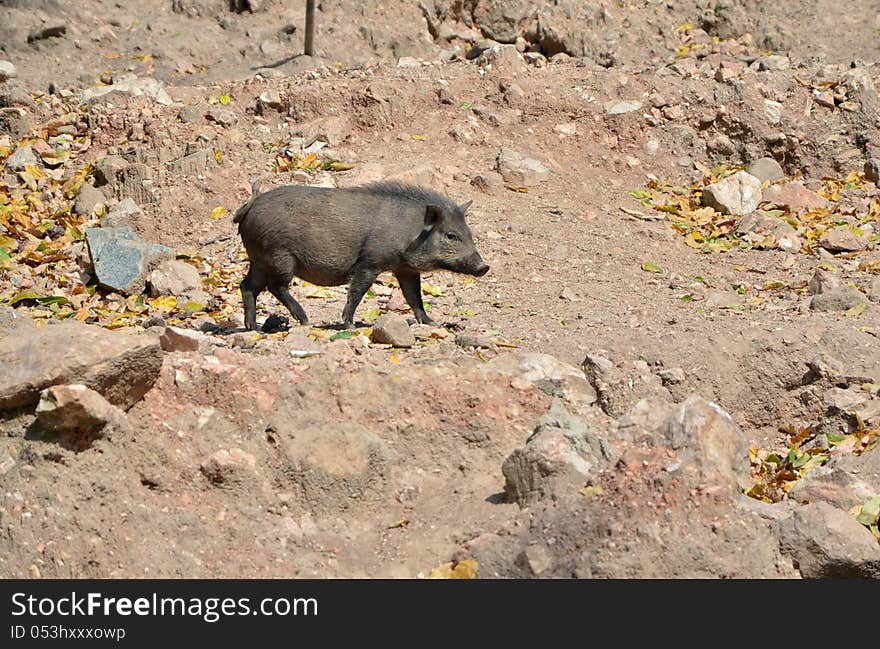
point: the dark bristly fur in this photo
(333, 236)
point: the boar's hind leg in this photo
(253, 284)
(360, 283)
(411, 285)
(281, 290)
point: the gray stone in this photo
(121, 261)
(174, 277)
(843, 239)
(766, 170)
(488, 182)
(119, 366)
(823, 281)
(828, 543)
(230, 468)
(189, 165)
(517, 169)
(124, 215)
(190, 114)
(774, 62)
(872, 170)
(109, 171)
(174, 339)
(504, 57)
(479, 46)
(51, 31)
(622, 107)
(88, 200)
(222, 116)
(736, 194)
(393, 329)
(838, 299)
(535, 559)
(755, 228)
(76, 414)
(24, 156)
(501, 20)
(845, 481)
(711, 445)
(772, 111)
(561, 456)
(15, 122)
(7, 70)
(722, 145)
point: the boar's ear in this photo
(464, 206)
(433, 216)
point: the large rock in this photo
(121, 261)
(622, 107)
(173, 277)
(130, 84)
(548, 374)
(562, 455)
(766, 170)
(502, 19)
(520, 170)
(768, 232)
(709, 444)
(844, 482)
(24, 156)
(110, 171)
(842, 298)
(795, 197)
(736, 194)
(87, 200)
(119, 366)
(7, 71)
(826, 542)
(124, 215)
(392, 329)
(77, 415)
(843, 239)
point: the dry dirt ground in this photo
(243, 459)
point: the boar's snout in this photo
(476, 266)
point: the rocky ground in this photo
(671, 370)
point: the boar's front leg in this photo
(411, 285)
(360, 283)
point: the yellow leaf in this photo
(370, 315)
(166, 302)
(518, 190)
(427, 289)
(466, 569)
(855, 311)
(218, 155)
(592, 490)
(394, 358)
(225, 99)
(218, 212)
(319, 292)
(419, 138)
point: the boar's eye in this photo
(453, 236)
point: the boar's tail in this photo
(241, 212)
